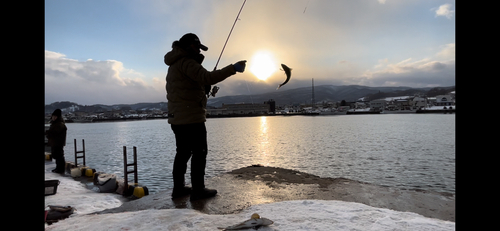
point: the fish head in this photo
(285, 67)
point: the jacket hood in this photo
(175, 54)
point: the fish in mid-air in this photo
(288, 72)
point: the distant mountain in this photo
(96, 108)
(408, 92)
(291, 96)
(137, 106)
(61, 105)
(304, 94)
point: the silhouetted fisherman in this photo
(186, 80)
(56, 136)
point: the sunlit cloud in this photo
(427, 72)
(447, 52)
(94, 81)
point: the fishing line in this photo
(306, 7)
(235, 20)
(215, 88)
(250, 94)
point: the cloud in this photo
(428, 72)
(92, 82)
(381, 1)
(447, 52)
(444, 10)
(381, 63)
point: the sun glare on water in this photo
(263, 65)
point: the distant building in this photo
(217, 111)
(452, 94)
(272, 105)
(444, 100)
(401, 103)
(378, 104)
(419, 102)
(244, 108)
(431, 100)
(359, 105)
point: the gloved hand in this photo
(240, 66)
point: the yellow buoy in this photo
(83, 170)
(255, 216)
(89, 172)
(138, 192)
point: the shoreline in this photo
(256, 184)
(209, 116)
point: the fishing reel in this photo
(212, 93)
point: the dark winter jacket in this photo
(186, 80)
(56, 134)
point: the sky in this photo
(111, 51)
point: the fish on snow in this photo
(255, 222)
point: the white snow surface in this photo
(74, 193)
(287, 215)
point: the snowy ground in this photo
(287, 215)
(75, 194)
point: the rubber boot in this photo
(180, 190)
(202, 194)
(199, 191)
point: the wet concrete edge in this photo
(241, 188)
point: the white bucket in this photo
(76, 172)
(106, 182)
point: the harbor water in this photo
(408, 151)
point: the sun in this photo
(263, 65)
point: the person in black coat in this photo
(186, 82)
(56, 136)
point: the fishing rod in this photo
(215, 89)
(235, 20)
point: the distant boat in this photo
(83, 120)
(332, 111)
(362, 111)
(399, 111)
(438, 109)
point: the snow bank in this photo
(287, 215)
(75, 194)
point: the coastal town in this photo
(388, 105)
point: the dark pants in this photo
(57, 153)
(191, 141)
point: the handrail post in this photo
(125, 166)
(83, 145)
(135, 166)
(76, 158)
(76, 152)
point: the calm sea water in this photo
(410, 151)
